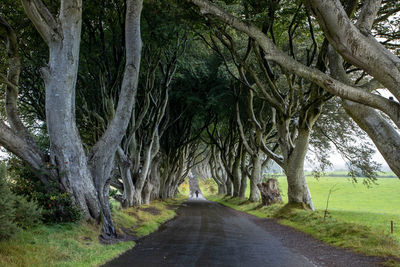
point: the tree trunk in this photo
(87, 179)
(298, 192)
(270, 193)
(236, 172)
(243, 183)
(229, 187)
(385, 137)
(125, 171)
(101, 156)
(66, 150)
(255, 178)
(164, 182)
(222, 190)
(243, 186)
(147, 190)
(155, 178)
(142, 176)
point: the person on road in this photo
(197, 193)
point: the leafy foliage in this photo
(56, 204)
(27, 213)
(15, 211)
(335, 129)
(7, 211)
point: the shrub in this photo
(7, 210)
(15, 211)
(56, 204)
(27, 213)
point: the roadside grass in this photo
(359, 217)
(145, 219)
(184, 188)
(375, 206)
(77, 244)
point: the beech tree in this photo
(332, 17)
(355, 42)
(289, 109)
(85, 176)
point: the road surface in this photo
(208, 234)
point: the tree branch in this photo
(392, 109)
(43, 20)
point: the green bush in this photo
(7, 210)
(15, 211)
(27, 213)
(56, 204)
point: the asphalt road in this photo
(207, 234)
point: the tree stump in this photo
(270, 192)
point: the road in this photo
(208, 234)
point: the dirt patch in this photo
(151, 210)
(128, 235)
(172, 207)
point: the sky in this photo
(340, 164)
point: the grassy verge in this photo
(359, 238)
(77, 244)
(373, 206)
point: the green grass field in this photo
(374, 206)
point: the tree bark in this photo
(298, 191)
(255, 177)
(222, 190)
(355, 42)
(124, 165)
(142, 176)
(243, 186)
(236, 171)
(229, 187)
(381, 132)
(155, 179)
(270, 192)
(66, 150)
(147, 190)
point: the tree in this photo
(291, 106)
(85, 176)
(357, 45)
(331, 83)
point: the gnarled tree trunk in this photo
(243, 184)
(236, 171)
(66, 150)
(298, 192)
(270, 193)
(255, 177)
(85, 178)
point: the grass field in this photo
(374, 206)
